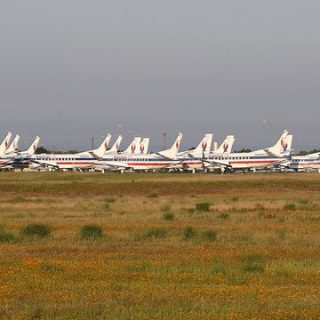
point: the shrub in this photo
(49, 267)
(155, 233)
(153, 195)
(169, 216)
(218, 267)
(106, 203)
(289, 206)
(203, 206)
(106, 206)
(36, 230)
(260, 207)
(254, 263)
(189, 233)
(91, 232)
(109, 200)
(304, 201)
(210, 235)
(224, 216)
(165, 208)
(6, 237)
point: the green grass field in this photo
(159, 246)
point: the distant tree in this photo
(42, 150)
(73, 151)
(304, 152)
(244, 150)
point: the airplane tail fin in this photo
(34, 146)
(226, 145)
(116, 145)
(144, 146)
(99, 152)
(13, 146)
(133, 145)
(288, 145)
(204, 146)
(173, 151)
(5, 144)
(280, 147)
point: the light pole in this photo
(164, 141)
(93, 141)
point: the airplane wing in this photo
(46, 163)
(164, 157)
(280, 163)
(270, 153)
(220, 163)
(109, 164)
(94, 155)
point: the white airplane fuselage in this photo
(302, 163)
(63, 161)
(245, 161)
(135, 162)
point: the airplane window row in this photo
(131, 160)
(57, 159)
(232, 158)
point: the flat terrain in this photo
(173, 246)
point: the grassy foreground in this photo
(159, 246)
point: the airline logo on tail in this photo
(133, 148)
(141, 148)
(204, 146)
(225, 148)
(284, 145)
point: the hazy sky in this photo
(72, 69)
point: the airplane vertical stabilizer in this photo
(204, 146)
(34, 146)
(5, 144)
(226, 145)
(13, 146)
(173, 151)
(116, 146)
(144, 146)
(280, 147)
(99, 152)
(288, 143)
(133, 145)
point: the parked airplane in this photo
(226, 145)
(32, 149)
(116, 146)
(133, 146)
(82, 160)
(263, 158)
(304, 163)
(18, 157)
(143, 146)
(13, 148)
(5, 160)
(191, 160)
(153, 161)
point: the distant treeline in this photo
(41, 150)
